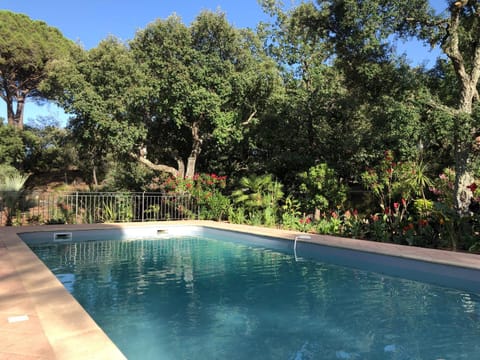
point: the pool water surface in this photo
(198, 297)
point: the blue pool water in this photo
(193, 297)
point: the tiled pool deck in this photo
(39, 319)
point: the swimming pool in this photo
(209, 294)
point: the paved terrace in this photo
(39, 319)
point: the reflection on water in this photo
(195, 298)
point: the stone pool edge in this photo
(59, 328)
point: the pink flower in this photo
(396, 205)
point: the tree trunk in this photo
(191, 167)
(196, 149)
(189, 172)
(463, 178)
(465, 130)
(181, 167)
(94, 177)
(15, 118)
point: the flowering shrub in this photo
(206, 189)
(395, 185)
(353, 224)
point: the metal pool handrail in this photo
(299, 237)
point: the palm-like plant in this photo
(10, 194)
(258, 192)
(259, 195)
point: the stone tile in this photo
(29, 327)
(8, 356)
(22, 344)
(99, 347)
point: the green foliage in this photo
(99, 87)
(206, 191)
(29, 52)
(10, 194)
(258, 192)
(322, 189)
(11, 146)
(7, 171)
(125, 175)
(215, 207)
(118, 208)
(354, 225)
(49, 148)
(202, 83)
(260, 196)
(395, 185)
(236, 215)
(291, 214)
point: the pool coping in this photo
(39, 319)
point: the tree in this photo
(29, 51)
(461, 43)
(206, 83)
(359, 34)
(348, 96)
(49, 147)
(99, 86)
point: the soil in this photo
(56, 181)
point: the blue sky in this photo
(89, 21)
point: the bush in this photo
(321, 190)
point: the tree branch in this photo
(476, 65)
(250, 118)
(452, 49)
(157, 167)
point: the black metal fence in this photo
(93, 207)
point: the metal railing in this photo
(93, 207)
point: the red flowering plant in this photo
(305, 224)
(329, 223)
(353, 224)
(395, 185)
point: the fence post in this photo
(76, 207)
(143, 205)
